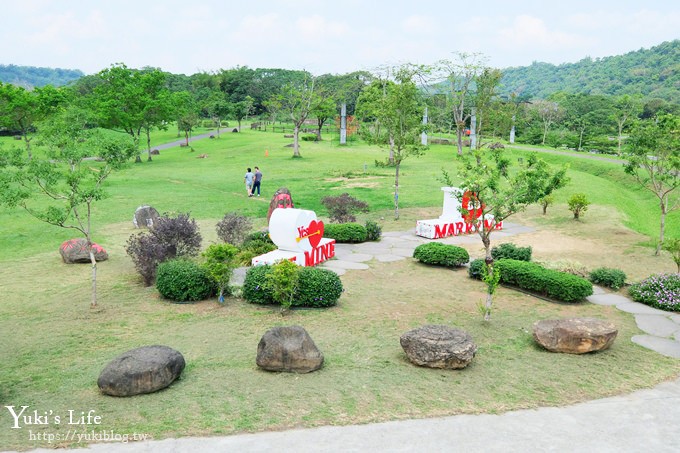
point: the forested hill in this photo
(654, 73)
(30, 76)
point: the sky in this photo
(337, 37)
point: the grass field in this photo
(55, 346)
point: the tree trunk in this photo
(296, 142)
(580, 140)
(488, 260)
(390, 159)
(93, 302)
(28, 146)
(662, 228)
(148, 144)
(396, 191)
(620, 138)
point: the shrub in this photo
(220, 261)
(233, 228)
(439, 254)
(672, 246)
(511, 251)
(341, 209)
(535, 278)
(578, 204)
(476, 269)
(546, 201)
(184, 281)
(308, 137)
(611, 278)
(316, 287)
(373, 231)
(282, 281)
(660, 291)
(255, 286)
(260, 236)
(345, 232)
(169, 237)
(251, 250)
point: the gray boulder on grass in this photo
(142, 370)
(288, 348)
(145, 217)
(574, 335)
(437, 346)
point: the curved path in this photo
(643, 421)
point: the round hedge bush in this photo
(611, 278)
(317, 287)
(183, 281)
(439, 254)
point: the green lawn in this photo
(55, 346)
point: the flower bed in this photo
(660, 291)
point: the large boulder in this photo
(437, 346)
(145, 217)
(574, 335)
(142, 370)
(282, 199)
(288, 348)
(75, 251)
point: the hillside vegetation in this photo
(30, 76)
(654, 73)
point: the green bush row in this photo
(316, 287)
(439, 254)
(345, 232)
(511, 251)
(535, 278)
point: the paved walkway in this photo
(643, 421)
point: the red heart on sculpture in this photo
(315, 232)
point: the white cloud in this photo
(420, 25)
(317, 27)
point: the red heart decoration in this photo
(315, 232)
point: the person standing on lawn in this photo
(248, 179)
(257, 180)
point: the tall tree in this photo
(298, 100)
(626, 110)
(242, 109)
(484, 98)
(398, 109)
(548, 112)
(653, 158)
(499, 193)
(22, 110)
(460, 75)
(62, 188)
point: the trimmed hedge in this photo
(439, 254)
(184, 281)
(317, 287)
(605, 276)
(511, 251)
(345, 232)
(535, 278)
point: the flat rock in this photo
(607, 299)
(389, 258)
(574, 335)
(142, 370)
(638, 308)
(342, 264)
(656, 325)
(663, 346)
(75, 251)
(357, 257)
(438, 346)
(288, 348)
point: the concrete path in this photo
(643, 421)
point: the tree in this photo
(62, 188)
(324, 110)
(298, 100)
(497, 192)
(578, 204)
(242, 109)
(186, 111)
(20, 110)
(460, 75)
(398, 110)
(626, 109)
(548, 112)
(158, 109)
(486, 83)
(653, 159)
